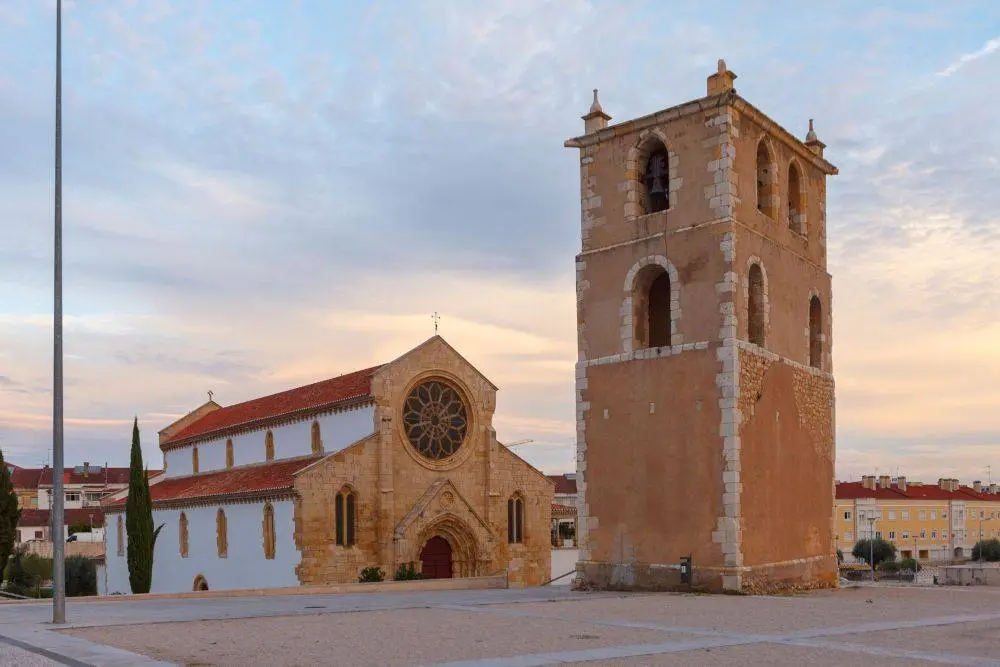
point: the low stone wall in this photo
(44, 549)
(986, 574)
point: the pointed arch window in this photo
(121, 536)
(229, 452)
(317, 441)
(345, 509)
(795, 208)
(221, 533)
(194, 460)
(765, 180)
(268, 531)
(656, 178)
(269, 446)
(515, 519)
(815, 333)
(756, 305)
(183, 532)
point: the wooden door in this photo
(436, 558)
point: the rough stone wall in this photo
(528, 563)
(322, 560)
(787, 465)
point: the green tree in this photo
(81, 576)
(139, 521)
(988, 550)
(10, 514)
(19, 580)
(874, 549)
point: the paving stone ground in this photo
(541, 626)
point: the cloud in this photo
(967, 58)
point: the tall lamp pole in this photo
(871, 544)
(58, 518)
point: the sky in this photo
(259, 195)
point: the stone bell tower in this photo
(705, 393)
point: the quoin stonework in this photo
(390, 465)
(705, 392)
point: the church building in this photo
(385, 466)
(705, 389)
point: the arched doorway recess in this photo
(436, 558)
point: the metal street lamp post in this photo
(982, 538)
(58, 517)
(871, 544)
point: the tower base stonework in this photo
(704, 385)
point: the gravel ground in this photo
(849, 626)
(12, 656)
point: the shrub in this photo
(988, 550)
(371, 574)
(889, 566)
(39, 569)
(878, 550)
(407, 572)
(80, 527)
(19, 580)
(81, 576)
(910, 564)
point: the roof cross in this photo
(210, 394)
(436, 318)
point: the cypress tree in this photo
(10, 514)
(139, 521)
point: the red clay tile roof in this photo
(95, 476)
(852, 490)
(25, 478)
(272, 476)
(310, 397)
(563, 510)
(563, 483)
(36, 517)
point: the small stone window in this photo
(269, 446)
(515, 519)
(229, 453)
(795, 208)
(656, 178)
(121, 536)
(268, 531)
(756, 305)
(765, 180)
(194, 460)
(183, 532)
(317, 441)
(345, 509)
(221, 534)
(815, 333)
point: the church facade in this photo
(394, 464)
(705, 389)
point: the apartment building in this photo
(925, 521)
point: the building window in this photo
(184, 535)
(515, 520)
(892, 534)
(848, 536)
(944, 515)
(933, 515)
(933, 534)
(815, 333)
(961, 514)
(904, 515)
(221, 534)
(923, 515)
(847, 515)
(923, 533)
(269, 446)
(795, 208)
(72, 496)
(892, 515)
(906, 534)
(756, 304)
(194, 460)
(317, 442)
(345, 507)
(229, 453)
(121, 536)
(656, 178)
(268, 531)
(765, 180)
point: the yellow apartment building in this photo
(930, 522)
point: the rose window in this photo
(435, 419)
